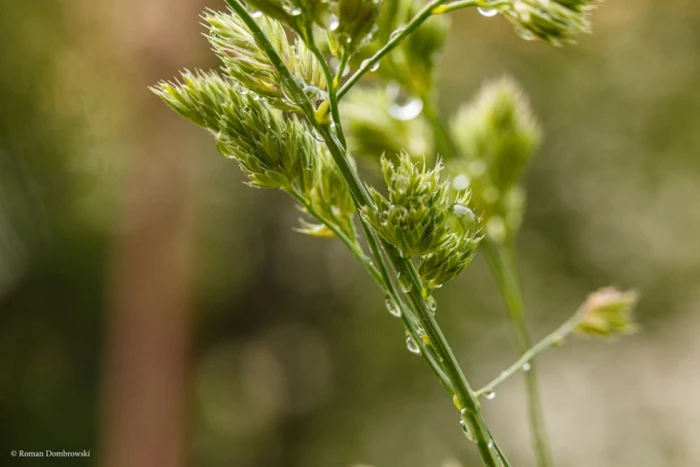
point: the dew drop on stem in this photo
(374, 67)
(465, 428)
(491, 395)
(411, 345)
(432, 303)
(392, 307)
(487, 12)
(526, 367)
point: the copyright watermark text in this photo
(50, 453)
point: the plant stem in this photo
(487, 447)
(332, 95)
(395, 39)
(468, 3)
(553, 339)
(463, 391)
(505, 272)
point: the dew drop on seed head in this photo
(256, 14)
(411, 345)
(491, 395)
(294, 11)
(526, 367)
(487, 12)
(404, 106)
(467, 431)
(392, 307)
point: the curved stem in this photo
(463, 393)
(395, 39)
(469, 3)
(505, 272)
(555, 338)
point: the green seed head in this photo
(273, 150)
(496, 136)
(248, 65)
(555, 21)
(607, 312)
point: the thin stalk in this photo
(466, 397)
(555, 338)
(395, 39)
(463, 391)
(469, 3)
(343, 63)
(332, 95)
(407, 315)
(505, 272)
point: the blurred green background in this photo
(158, 312)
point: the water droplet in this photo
(405, 283)
(242, 90)
(461, 182)
(490, 444)
(463, 211)
(432, 303)
(411, 345)
(487, 12)
(526, 367)
(333, 22)
(392, 307)
(395, 33)
(256, 14)
(466, 430)
(374, 67)
(404, 106)
(294, 11)
(491, 395)
(316, 135)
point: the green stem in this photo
(505, 272)
(395, 39)
(463, 391)
(332, 95)
(555, 338)
(407, 316)
(469, 3)
(471, 413)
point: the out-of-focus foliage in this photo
(296, 363)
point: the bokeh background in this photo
(158, 312)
